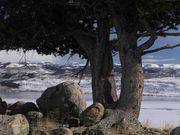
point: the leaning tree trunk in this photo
(103, 82)
(99, 53)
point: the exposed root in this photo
(116, 122)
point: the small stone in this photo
(72, 122)
(34, 116)
(62, 131)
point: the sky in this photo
(165, 56)
(171, 56)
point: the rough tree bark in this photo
(99, 53)
(103, 83)
(124, 118)
(132, 81)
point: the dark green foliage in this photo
(47, 25)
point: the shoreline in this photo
(156, 111)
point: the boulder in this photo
(62, 101)
(23, 108)
(16, 105)
(14, 125)
(62, 131)
(175, 131)
(92, 114)
(3, 106)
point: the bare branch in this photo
(152, 38)
(161, 48)
(171, 34)
(81, 72)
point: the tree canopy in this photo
(47, 26)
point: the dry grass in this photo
(168, 127)
(146, 123)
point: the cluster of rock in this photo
(61, 110)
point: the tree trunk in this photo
(103, 82)
(132, 80)
(132, 83)
(100, 56)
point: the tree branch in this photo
(81, 72)
(170, 34)
(152, 38)
(161, 48)
(161, 34)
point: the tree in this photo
(84, 26)
(63, 30)
(132, 21)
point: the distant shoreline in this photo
(158, 111)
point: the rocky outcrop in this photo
(22, 108)
(92, 114)
(14, 125)
(3, 106)
(175, 131)
(62, 101)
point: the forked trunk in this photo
(103, 82)
(100, 56)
